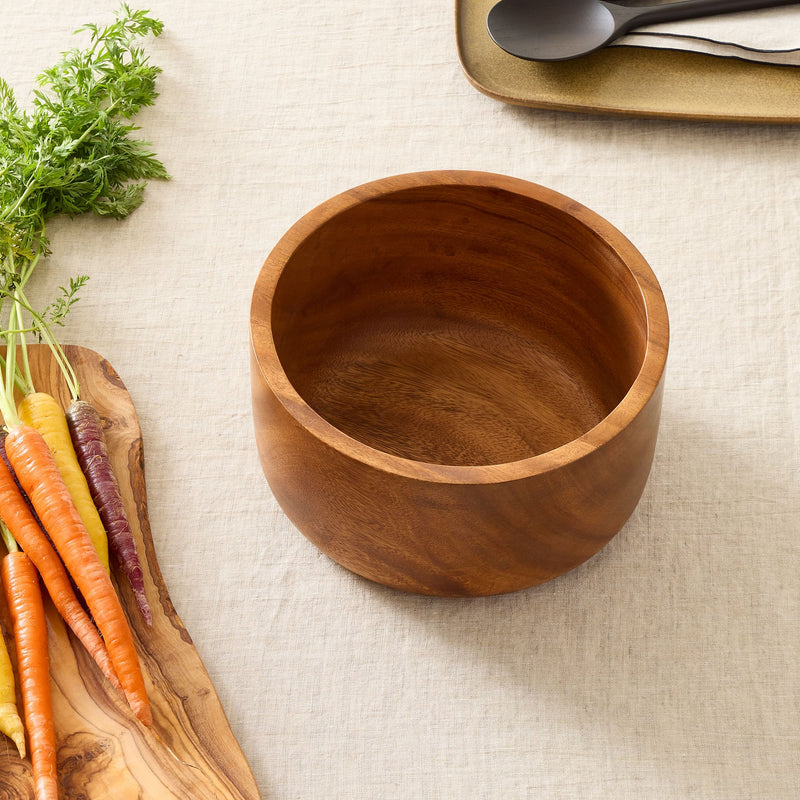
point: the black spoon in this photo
(555, 30)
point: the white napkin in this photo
(769, 35)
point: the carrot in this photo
(16, 514)
(88, 439)
(4, 458)
(10, 723)
(21, 584)
(42, 411)
(39, 476)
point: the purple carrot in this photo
(88, 439)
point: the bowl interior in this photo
(459, 324)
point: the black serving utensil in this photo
(557, 30)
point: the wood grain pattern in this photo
(104, 753)
(457, 380)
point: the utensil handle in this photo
(688, 9)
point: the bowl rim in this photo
(643, 387)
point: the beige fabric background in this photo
(667, 666)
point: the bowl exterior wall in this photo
(452, 539)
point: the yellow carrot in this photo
(10, 722)
(43, 412)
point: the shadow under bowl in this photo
(457, 380)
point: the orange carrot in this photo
(21, 584)
(16, 513)
(39, 477)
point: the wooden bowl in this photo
(457, 380)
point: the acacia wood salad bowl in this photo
(457, 380)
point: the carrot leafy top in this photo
(72, 153)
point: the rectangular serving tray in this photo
(631, 81)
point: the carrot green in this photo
(73, 152)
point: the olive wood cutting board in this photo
(104, 753)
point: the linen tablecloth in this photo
(665, 667)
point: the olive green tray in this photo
(632, 81)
